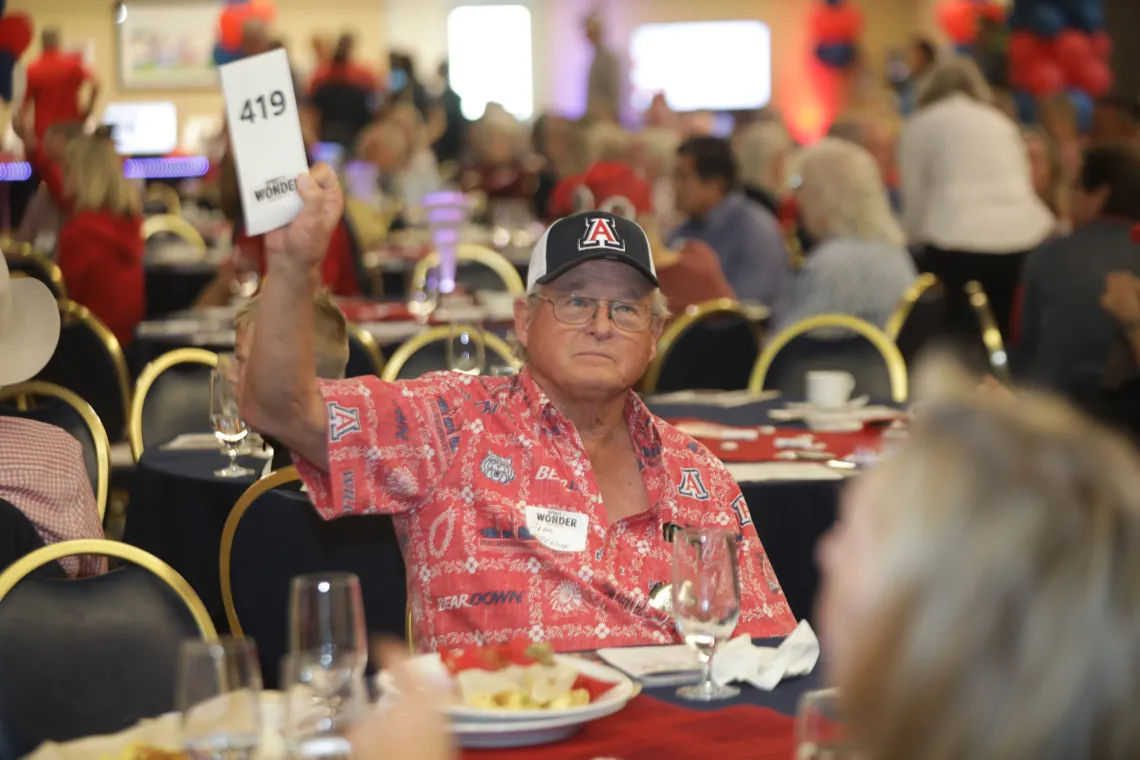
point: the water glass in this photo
(324, 696)
(225, 416)
(326, 616)
(219, 685)
(706, 600)
(820, 730)
(465, 350)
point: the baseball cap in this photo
(589, 236)
(605, 186)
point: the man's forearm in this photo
(281, 398)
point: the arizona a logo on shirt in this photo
(342, 421)
(600, 233)
(692, 485)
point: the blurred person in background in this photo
(659, 114)
(344, 96)
(420, 176)
(1058, 117)
(404, 86)
(551, 140)
(498, 169)
(876, 134)
(763, 148)
(920, 59)
(860, 264)
(1065, 335)
(968, 198)
(55, 84)
(746, 237)
(1116, 119)
(1117, 402)
(450, 143)
(44, 217)
(1037, 509)
(1048, 175)
(255, 38)
(654, 157)
(604, 84)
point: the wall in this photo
(297, 22)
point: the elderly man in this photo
(538, 506)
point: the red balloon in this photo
(830, 25)
(852, 23)
(1046, 79)
(959, 20)
(1095, 78)
(1101, 45)
(992, 12)
(1025, 49)
(15, 33)
(230, 24)
(264, 10)
(1072, 50)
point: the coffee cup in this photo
(829, 389)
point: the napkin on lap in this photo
(764, 667)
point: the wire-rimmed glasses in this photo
(580, 310)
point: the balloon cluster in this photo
(836, 27)
(1058, 45)
(959, 19)
(15, 36)
(234, 16)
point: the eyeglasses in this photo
(580, 310)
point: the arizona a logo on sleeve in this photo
(600, 233)
(342, 421)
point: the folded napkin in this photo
(655, 665)
(759, 472)
(193, 442)
(766, 667)
(702, 429)
(720, 399)
(850, 413)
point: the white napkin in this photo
(193, 442)
(655, 665)
(701, 429)
(851, 413)
(721, 399)
(760, 472)
(766, 667)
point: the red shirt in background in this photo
(54, 80)
(338, 271)
(350, 73)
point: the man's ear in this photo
(1100, 196)
(522, 320)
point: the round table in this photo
(177, 512)
(173, 287)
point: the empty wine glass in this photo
(225, 415)
(706, 600)
(465, 351)
(326, 615)
(219, 687)
(820, 730)
(324, 696)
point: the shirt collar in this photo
(720, 214)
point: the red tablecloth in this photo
(649, 729)
(763, 449)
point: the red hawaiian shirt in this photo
(466, 465)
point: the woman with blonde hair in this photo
(980, 592)
(859, 265)
(100, 248)
(1048, 175)
(966, 193)
(762, 149)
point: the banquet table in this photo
(171, 287)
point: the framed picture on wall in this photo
(168, 44)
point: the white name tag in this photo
(265, 135)
(558, 530)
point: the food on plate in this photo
(519, 676)
(147, 752)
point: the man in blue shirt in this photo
(746, 237)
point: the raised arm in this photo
(281, 397)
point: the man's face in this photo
(243, 342)
(594, 31)
(695, 196)
(593, 360)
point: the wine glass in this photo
(820, 730)
(323, 698)
(423, 302)
(229, 428)
(326, 616)
(219, 687)
(465, 351)
(706, 600)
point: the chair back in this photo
(710, 346)
(996, 357)
(19, 538)
(23, 259)
(53, 405)
(89, 361)
(162, 199)
(920, 318)
(80, 657)
(477, 268)
(427, 352)
(840, 342)
(172, 397)
(364, 354)
(272, 534)
(167, 227)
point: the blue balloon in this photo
(834, 2)
(964, 49)
(1084, 106)
(1047, 21)
(1019, 19)
(1089, 17)
(839, 55)
(224, 55)
(1026, 106)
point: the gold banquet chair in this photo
(364, 354)
(711, 345)
(22, 258)
(159, 194)
(178, 388)
(73, 415)
(427, 352)
(848, 343)
(90, 656)
(503, 270)
(273, 534)
(990, 333)
(919, 318)
(169, 224)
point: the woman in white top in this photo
(967, 195)
(860, 264)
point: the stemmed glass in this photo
(465, 350)
(323, 675)
(820, 730)
(706, 600)
(225, 415)
(219, 685)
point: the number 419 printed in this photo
(276, 103)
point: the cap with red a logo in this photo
(589, 236)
